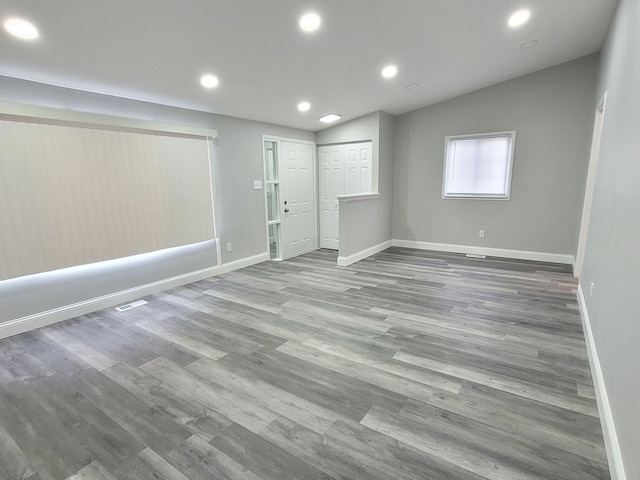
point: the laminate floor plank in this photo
(93, 471)
(108, 342)
(389, 381)
(198, 460)
(58, 359)
(345, 395)
(107, 442)
(19, 364)
(146, 424)
(175, 404)
(42, 437)
(407, 365)
(144, 340)
(234, 405)
(312, 448)
(189, 339)
(384, 457)
(14, 463)
(264, 394)
(264, 458)
(531, 420)
(149, 465)
(524, 388)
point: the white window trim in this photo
(507, 196)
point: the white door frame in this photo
(590, 184)
(314, 168)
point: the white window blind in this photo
(72, 194)
(478, 165)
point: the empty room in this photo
(340, 239)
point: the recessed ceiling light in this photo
(209, 81)
(21, 29)
(304, 106)
(529, 44)
(389, 71)
(310, 22)
(332, 117)
(519, 18)
(411, 86)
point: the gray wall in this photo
(237, 159)
(552, 112)
(612, 256)
(366, 223)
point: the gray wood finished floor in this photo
(407, 365)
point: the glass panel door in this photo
(272, 193)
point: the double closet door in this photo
(344, 169)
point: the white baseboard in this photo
(614, 455)
(356, 257)
(490, 252)
(42, 319)
(242, 263)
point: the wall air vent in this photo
(129, 306)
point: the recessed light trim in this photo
(529, 44)
(389, 71)
(519, 18)
(21, 29)
(209, 81)
(304, 106)
(310, 22)
(330, 118)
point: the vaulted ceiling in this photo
(157, 50)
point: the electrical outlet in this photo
(229, 249)
(481, 234)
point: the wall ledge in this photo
(354, 197)
(614, 454)
(42, 319)
(488, 251)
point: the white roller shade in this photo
(72, 194)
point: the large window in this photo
(478, 166)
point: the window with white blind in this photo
(76, 193)
(478, 166)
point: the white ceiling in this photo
(156, 50)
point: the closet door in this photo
(344, 169)
(357, 168)
(331, 185)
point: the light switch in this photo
(257, 184)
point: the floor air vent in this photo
(475, 255)
(129, 306)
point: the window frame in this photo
(511, 134)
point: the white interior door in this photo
(344, 169)
(358, 168)
(331, 185)
(297, 200)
